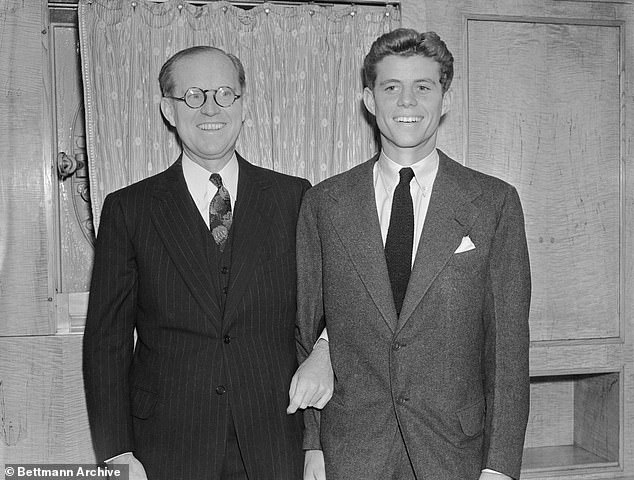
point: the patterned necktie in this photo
(220, 212)
(400, 238)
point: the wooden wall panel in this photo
(544, 113)
(25, 179)
(447, 18)
(43, 416)
(551, 419)
(597, 424)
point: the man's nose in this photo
(407, 98)
(210, 106)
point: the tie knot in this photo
(216, 180)
(406, 175)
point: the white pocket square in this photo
(465, 245)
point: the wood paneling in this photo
(543, 111)
(597, 412)
(42, 408)
(25, 201)
(43, 416)
(551, 417)
(574, 423)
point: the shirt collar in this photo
(197, 178)
(424, 171)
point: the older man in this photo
(200, 260)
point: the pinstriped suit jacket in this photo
(162, 401)
(451, 372)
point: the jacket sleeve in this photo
(109, 335)
(507, 384)
(310, 312)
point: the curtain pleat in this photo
(303, 98)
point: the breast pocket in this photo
(471, 263)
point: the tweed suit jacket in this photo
(200, 360)
(451, 373)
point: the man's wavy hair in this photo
(407, 42)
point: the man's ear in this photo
(167, 108)
(447, 100)
(368, 100)
(246, 105)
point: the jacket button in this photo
(221, 390)
(396, 346)
(224, 270)
(227, 339)
(225, 290)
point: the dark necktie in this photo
(219, 212)
(400, 238)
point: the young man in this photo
(200, 260)
(418, 267)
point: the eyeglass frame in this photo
(205, 97)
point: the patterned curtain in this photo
(303, 97)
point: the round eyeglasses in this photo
(196, 97)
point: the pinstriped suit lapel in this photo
(357, 223)
(176, 219)
(254, 212)
(449, 218)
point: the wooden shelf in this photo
(561, 457)
(574, 423)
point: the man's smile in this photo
(211, 125)
(408, 119)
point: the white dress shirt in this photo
(386, 178)
(202, 190)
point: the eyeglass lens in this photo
(196, 97)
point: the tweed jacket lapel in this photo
(176, 219)
(254, 212)
(356, 221)
(450, 216)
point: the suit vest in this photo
(219, 263)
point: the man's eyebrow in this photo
(427, 80)
(418, 80)
(390, 80)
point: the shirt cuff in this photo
(488, 470)
(323, 336)
(117, 456)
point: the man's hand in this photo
(314, 465)
(137, 472)
(313, 382)
(494, 476)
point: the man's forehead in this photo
(209, 58)
(209, 64)
(408, 66)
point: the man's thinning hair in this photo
(406, 42)
(166, 77)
